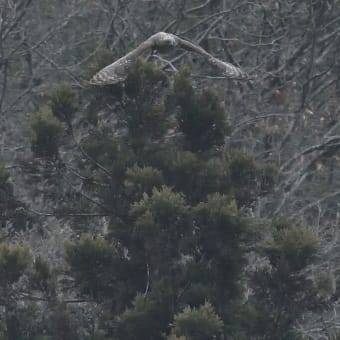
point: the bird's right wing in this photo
(228, 70)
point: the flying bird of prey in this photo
(161, 42)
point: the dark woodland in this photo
(177, 204)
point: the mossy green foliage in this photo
(28, 323)
(6, 189)
(42, 269)
(326, 284)
(115, 155)
(143, 77)
(141, 180)
(100, 270)
(165, 204)
(14, 260)
(46, 131)
(248, 177)
(160, 222)
(211, 175)
(249, 320)
(9, 204)
(175, 337)
(101, 148)
(221, 231)
(144, 111)
(243, 168)
(295, 246)
(22, 323)
(63, 103)
(201, 117)
(90, 260)
(200, 323)
(42, 278)
(143, 321)
(4, 176)
(283, 291)
(267, 174)
(62, 323)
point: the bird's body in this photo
(161, 42)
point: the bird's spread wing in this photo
(119, 70)
(113, 73)
(228, 70)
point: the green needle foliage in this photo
(160, 222)
(249, 179)
(201, 117)
(14, 260)
(63, 103)
(46, 131)
(143, 321)
(283, 291)
(294, 246)
(141, 180)
(43, 278)
(4, 176)
(89, 260)
(221, 231)
(197, 324)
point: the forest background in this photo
(178, 205)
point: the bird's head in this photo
(163, 42)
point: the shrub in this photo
(143, 78)
(294, 246)
(160, 224)
(243, 168)
(210, 176)
(197, 323)
(63, 103)
(144, 112)
(249, 178)
(42, 277)
(201, 117)
(267, 173)
(167, 206)
(4, 176)
(45, 134)
(221, 231)
(143, 179)
(91, 263)
(144, 321)
(14, 259)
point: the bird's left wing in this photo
(113, 73)
(119, 70)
